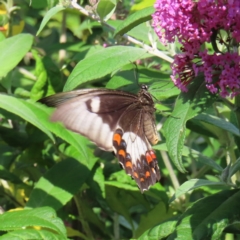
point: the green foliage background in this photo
(56, 183)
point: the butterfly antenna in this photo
(157, 89)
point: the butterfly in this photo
(115, 121)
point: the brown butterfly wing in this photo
(114, 121)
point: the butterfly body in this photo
(115, 121)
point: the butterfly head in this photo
(144, 87)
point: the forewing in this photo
(92, 113)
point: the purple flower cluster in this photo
(195, 23)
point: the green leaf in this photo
(133, 20)
(234, 168)
(197, 156)
(202, 128)
(142, 4)
(38, 89)
(103, 62)
(99, 179)
(40, 217)
(219, 122)
(120, 201)
(208, 217)
(193, 184)
(13, 137)
(163, 89)
(59, 184)
(105, 9)
(90, 216)
(121, 185)
(6, 175)
(38, 115)
(117, 204)
(2, 36)
(160, 231)
(31, 234)
(48, 15)
(13, 50)
(40, 4)
(150, 219)
(187, 106)
(25, 110)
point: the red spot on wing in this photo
(149, 157)
(152, 153)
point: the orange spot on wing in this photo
(147, 174)
(135, 175)
(142, 180)
(122, 153)
(149, 158)
(117, 137)
(129, 164)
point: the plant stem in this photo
(116, 226)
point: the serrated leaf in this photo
(187, 106)
(59, 184)
(13, 50)
(41, 217)
(201, 222)
(105, 9)
(48, 15)
(193, 184)
(105, 61)
(133, 20)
